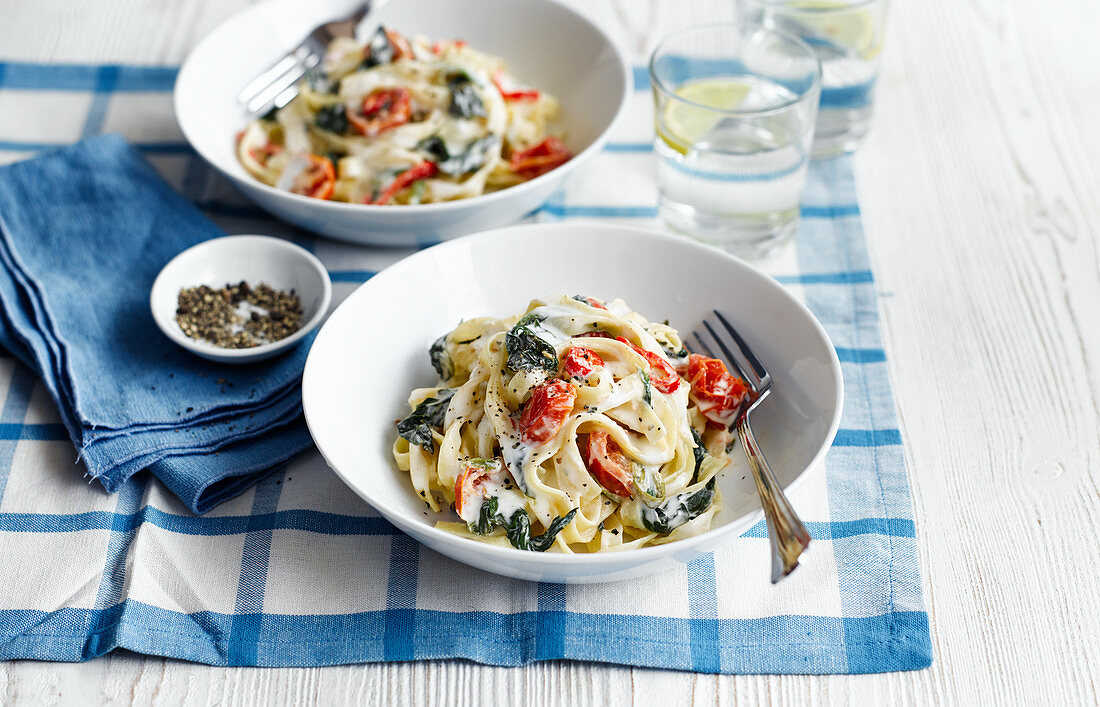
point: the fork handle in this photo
(786, 533)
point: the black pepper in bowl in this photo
(238, 316)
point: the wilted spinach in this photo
(379, 51)
(458, 164)
(678, 510)
(647, 397)
(319, 82)
(441, 360)
(417, 427)
(465, 101)
(332, 118)
(700, 453)
(518, 527)
(526, 351)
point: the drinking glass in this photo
(847, 36)
(735, 113)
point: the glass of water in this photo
(847, 36)
(735, 111)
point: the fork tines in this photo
(719, 335)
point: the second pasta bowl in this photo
(362, 137)
(378, 346)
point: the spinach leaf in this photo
(332, 118)
(678, 510)
(434, 147)
(379, 51)
(542, 543)
(417, 427)
(700, 453)
(456, 165)
(518, 530)
(528, 352)
(648, 396)
(465, 101)
(441, 360)
(475, 156)
(518, 527)
(319, 82)
(487, 518)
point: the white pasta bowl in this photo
(374, 350)
(547, 45)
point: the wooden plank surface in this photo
(979, 187)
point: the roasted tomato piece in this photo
(401, 47)
(661, 373)
(540, 159)
(513, 92)
(318, 179)
(608, 465)
(440, 45)
(590, 302)
(265, 152)
(546, 410)
(413, 174)
(580, 362)
(716, 391)
(471, 480)
(383, 109)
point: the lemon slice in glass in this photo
(851, 31)
(684, 124)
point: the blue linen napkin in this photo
(84, 230)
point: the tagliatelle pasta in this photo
(404, 122)
(578, 426)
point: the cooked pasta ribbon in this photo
(404, 122)
(578, 426)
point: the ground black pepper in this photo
(238, 316)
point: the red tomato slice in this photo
(540, 159)
(468, 485)
(383, 109)
(318, 180)
(608, 465)
(441, 44)
(590, 302)
(401, 47)
(661, 374)
(715, 390)
(580, 362)
(412, 174)
(546, 410)
(264, 153)
(510, 92)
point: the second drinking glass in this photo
(735, 110)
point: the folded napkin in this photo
(84, 230)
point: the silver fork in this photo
(276, 87)
(786, 533)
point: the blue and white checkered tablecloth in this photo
(299, 571)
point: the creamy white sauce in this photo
(297, 166)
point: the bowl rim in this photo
(173, 332)
(411, 209)
(588, 560)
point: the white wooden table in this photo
(981, 199)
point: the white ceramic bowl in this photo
(546, 44)
(254, 259)
(374, 349)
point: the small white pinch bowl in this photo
(546, 45)
(229, 260)
(374, 350)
